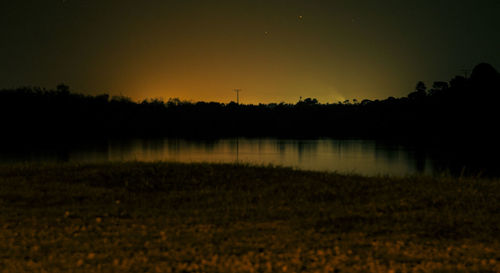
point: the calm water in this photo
(346, 156)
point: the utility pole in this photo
(237, 95)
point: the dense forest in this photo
(461, 109)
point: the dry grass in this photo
(170, 217)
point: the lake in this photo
(367, 157)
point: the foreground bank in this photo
(171, 217)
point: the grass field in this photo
(172, 217)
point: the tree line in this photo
(459, 109)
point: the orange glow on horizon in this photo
(198, 51)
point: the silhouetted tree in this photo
(486, 82)
(307, 102)
(484, 73)
(438, 87)
(365, 102)
(420, 91)
(62, 88)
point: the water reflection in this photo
(359, 156)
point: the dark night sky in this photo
(275, 50)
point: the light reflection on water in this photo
(346, 156)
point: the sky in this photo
(273, 50)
